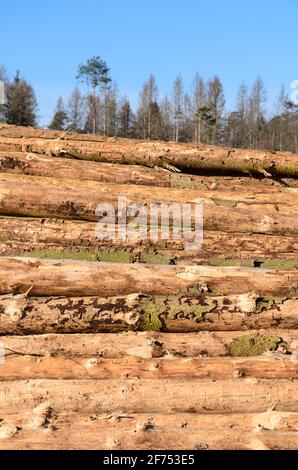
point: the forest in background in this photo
(197, 115)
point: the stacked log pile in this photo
(136, 343)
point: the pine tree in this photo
(199, 100)
(60, 117)
(76, 111)
(216, 104)
(94, 73)
(21, 103)
(125, 119)
(166, 113)
(177, 107)
(144, 121)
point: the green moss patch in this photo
(152, 258)
(253, 345)
(173, 307)
(49, 253)
(114, 256)
(151, 309)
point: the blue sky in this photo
(47, 40)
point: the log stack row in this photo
(137, 343)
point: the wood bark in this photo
(144, 345)
(43, 428)
(78, 278)
(21, 315)
(242, 395)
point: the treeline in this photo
(197, 115)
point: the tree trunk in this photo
(45, 197)
(125, 396)
(188, 157)
(63, 368)
(144, 345)
(181, 313)
(43, 165)
(22, 235)
(78, 278)
(42, 428)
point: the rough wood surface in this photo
(145, 345)
(273, 366)
(80, 278)
(208, 362)
(18, 234)
(186, 157)
(20, 314)
(44, 428)
(242, 395)
(54, 194)
(42, 165)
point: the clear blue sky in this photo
(47, 40)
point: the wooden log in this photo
(22, 235)
(43, 428)
(20, 314)
(276, 366)
(185, 157)
(279, 200)
(43, 165)
(242, 395)
(78, 278)
(43, 197)
(144, 345)
(151, 255)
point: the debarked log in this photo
(46, 198)
(22, 235)
(151, 344)
(42, 427)
(242, 395)
(274, 366)
(21, 315)
(82, 278)
(281, 200)
(42, 165)
(185, 157)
